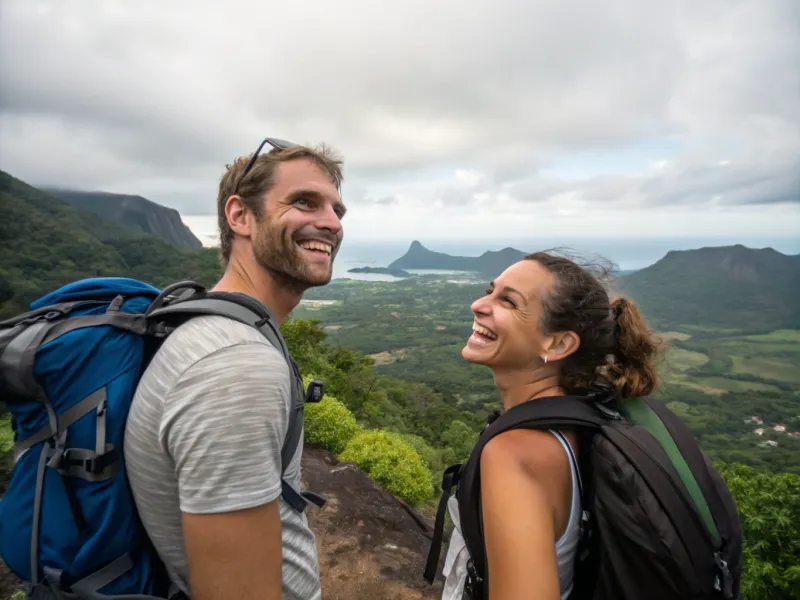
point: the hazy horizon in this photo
(627, 253)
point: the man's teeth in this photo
(483, 331)
(313, 245)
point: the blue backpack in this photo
(69, 369)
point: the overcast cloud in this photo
(619, 118)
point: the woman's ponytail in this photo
(633, 371)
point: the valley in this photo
(718, 378)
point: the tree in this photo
(460, 438)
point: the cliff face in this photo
(371, 545)
(134, 211)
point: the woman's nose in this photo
(481, 306)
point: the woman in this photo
(546, 327)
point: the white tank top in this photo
(455, 564)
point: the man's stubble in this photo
(277, 253)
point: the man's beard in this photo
(276, 252)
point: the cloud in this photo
(445, 106)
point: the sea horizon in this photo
(627, 254)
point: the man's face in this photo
(300, 229)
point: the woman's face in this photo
(506, 327)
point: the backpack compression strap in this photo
(543, 413)
(251, 312)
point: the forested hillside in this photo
(725, 288)
(47, 243)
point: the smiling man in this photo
(204, 435)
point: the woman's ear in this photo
(561, 345)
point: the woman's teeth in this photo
(483, 331)
(318, 246)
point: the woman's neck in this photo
(516, 388)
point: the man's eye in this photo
(303, 200)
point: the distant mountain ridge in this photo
(133, 211)
(731, 287)
(491, 263)
(723, 287)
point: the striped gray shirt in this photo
(204, 435)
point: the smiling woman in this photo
(554, 340)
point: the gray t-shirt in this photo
(204, 435)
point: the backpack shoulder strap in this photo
(249, 311)
(718, 510)
(543, 413)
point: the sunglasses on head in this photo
(275, 143)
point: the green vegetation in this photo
(329, 424)
(391, 461)
(769, 506)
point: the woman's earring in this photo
(545, 358)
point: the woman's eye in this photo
(509, 301)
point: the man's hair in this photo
(260, 179)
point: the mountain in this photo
(727, 287)
(133, 211)
(48, 242)
(490, 263)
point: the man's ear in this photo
(240, 218)
(562, 344)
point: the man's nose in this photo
(328, 219)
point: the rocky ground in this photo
(371, 545)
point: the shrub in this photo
(768, 505)
(392, 463)
(329, 423)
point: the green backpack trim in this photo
(638, 413)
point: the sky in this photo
(474, 119)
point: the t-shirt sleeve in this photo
(223, 424)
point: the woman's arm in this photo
(518, 521)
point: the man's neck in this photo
(516, 387)
(258, 283)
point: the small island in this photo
(381, 271)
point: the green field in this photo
(778, 369)
(415, 329)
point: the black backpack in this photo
(658, 520)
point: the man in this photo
(204, 434)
